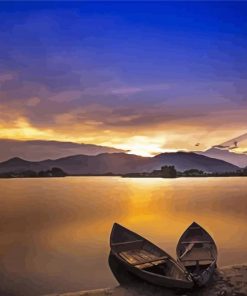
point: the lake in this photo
(54, 232)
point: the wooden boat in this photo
(147, 261)
(197, 252)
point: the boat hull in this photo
(205, 276)
(154, 279)
(197, 249)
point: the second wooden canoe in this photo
(197, 252)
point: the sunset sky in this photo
(145, 77)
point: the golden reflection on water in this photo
(55, 232)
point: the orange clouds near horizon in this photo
(146, 141)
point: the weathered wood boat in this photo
(197, 252)
(147, 261)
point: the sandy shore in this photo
(227, 281)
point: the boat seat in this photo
(197, 242)
(198, 254)
(139, 257)
(158, 259)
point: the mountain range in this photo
(38, 150)
(120, 163)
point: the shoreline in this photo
(126, 177)
(227, 281)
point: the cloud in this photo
(32, 102)
(66, 96)
(222, 147)
(64, 77)
(237, 139)
(5, 77)
(139, 89)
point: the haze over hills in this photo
(232, 151)
(37, 150)
(239, 159)
(120, 163)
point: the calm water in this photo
(54, 233)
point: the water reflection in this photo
(55, 232)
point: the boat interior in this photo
(197, 255)
(146, 257)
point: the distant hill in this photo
(38, 150)
(234, 158)
(189, 160)
(120, 163)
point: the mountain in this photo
(226, 155)
(17, 164)
(120, 163)
(189, 160)
(38, 150)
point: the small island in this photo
(167, 171)
(54, 172)
(171, 172)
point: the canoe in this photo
(197, 252)
(147, 261)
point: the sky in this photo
(142, 76)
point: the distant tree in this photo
(244, 171)
(41, 174)
(109, 174)
(57, 172)
(54, 172)
(193, 172)
(168, 172)
(28, 174)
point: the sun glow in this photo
(149, 145)
(143, 146)
(22, 130)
